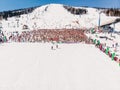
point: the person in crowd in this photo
(112, 45)
(119, 62)
(116, 44)
(113, 55)
(107, 50)
(100, 47)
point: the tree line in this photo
(11, 13)
(113, 12)
(76, 11)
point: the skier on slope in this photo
(51, 47)
(57, 46)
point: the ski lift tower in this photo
(99, 20)
(0, 27)
(17, 20)
(113, 26)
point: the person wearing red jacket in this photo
(100, 47)
(110, 55)
(119, 62)
(115, 58)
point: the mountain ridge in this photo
(54, 16)
(17, 12)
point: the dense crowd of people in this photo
(63, 35)
(59, 35)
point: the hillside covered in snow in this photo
(34, 66)
(54, 16)
(59, 47)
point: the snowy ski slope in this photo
(55, 16)
(34, 66)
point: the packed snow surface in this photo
(34, 66)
